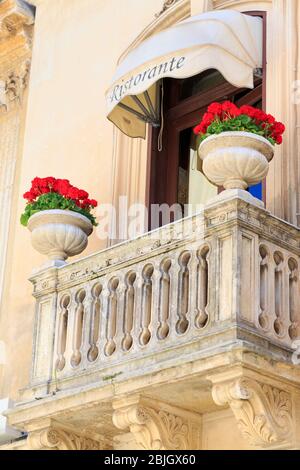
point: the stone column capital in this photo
(16, 20)
(56, 437)
(157, 426)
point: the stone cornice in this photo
(16, 20)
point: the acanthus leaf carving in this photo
(263, 412)
(158, 428)
(13, 85)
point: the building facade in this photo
(182, 338)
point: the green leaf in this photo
(24, 219)
(53, 201)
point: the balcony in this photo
(195, 318)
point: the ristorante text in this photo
(162, 69)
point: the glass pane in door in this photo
(194, 189)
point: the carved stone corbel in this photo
(157, 426)
(263, 412)
(55, 438)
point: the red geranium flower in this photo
(61, 187)
(230, 108)
(29, 196)
(223, 116)
(70, 198)
(82, 194)
(72, 193)
(215, 108)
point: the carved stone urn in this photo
(59, 234)
(236, 160)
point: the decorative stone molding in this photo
(157, 426)
(167, 4)
(12, 86)
(263, 412)
(55, 438)
(16, 20)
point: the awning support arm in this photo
(146, 119)
(149, 103)
(152, 117)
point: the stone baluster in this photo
(62, 332)
(271, 291)
(156, 300)
(164, 299)
(111, 317)
(192, 288)
(94, 329)
(294, 314)
(285, 312)
(72, 310)
(78, 328)
(264, 286)
(119, 329)
(202, 296)
(146, 305)
(138, 312)
(105, 293)
(183, 293)
(86, 325)
(173, 273)
(279, 293)
(128, 311)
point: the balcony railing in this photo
(227, 275)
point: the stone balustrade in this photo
(224, 277)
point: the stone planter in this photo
(59, 234)
(236, 160)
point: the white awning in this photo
(228, 41)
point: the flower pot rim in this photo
(236, 139)
(54, 216)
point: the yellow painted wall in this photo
(76, 47)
